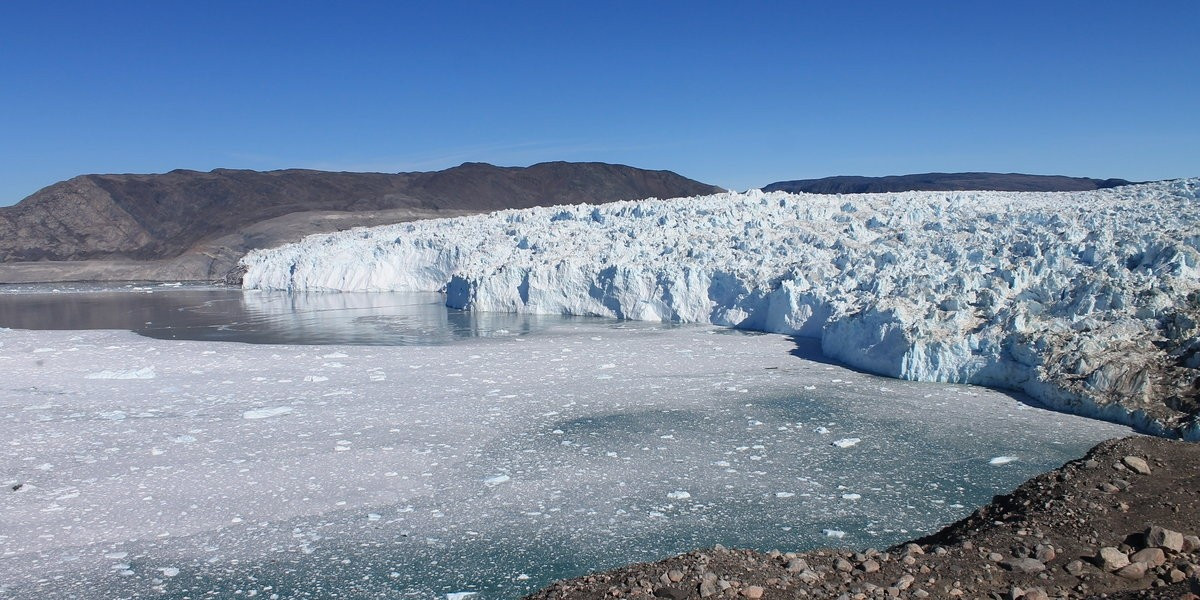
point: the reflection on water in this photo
(234, 315)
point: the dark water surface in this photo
(207, 313)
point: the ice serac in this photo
(1087, 301)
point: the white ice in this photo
(1024, 291)
(483, 457)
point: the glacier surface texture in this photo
(1086, 301)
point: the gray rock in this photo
(1111, 559)
(1158, 537)
(1023, 565)
(796, 565)
(1191, 543)
(870, 566)
(1036, 593)
(1135, 570)
(753, 592)
(1136, 464)
(809, 576)
(905, 581)
(1152, 556)
(670, 593)
(843, 565)
(1075, 567)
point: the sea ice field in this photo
(139, 467)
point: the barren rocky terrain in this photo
(1121, 522)
(188, 225)
(1000, 182)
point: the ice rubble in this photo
(1086, 301)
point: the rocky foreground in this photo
(1121, 522)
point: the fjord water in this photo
(233, 315)
(495, 456)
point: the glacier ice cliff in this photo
(1086, 301)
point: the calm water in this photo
(207, 313)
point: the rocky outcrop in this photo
(194, 215)
(1092, 528)
(1001, 182)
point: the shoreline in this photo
(1090, 527)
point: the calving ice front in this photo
(1087, 301)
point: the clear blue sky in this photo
(738, 95)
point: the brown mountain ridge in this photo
(194, 225)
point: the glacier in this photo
(1089, 302)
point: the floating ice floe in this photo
(266, 413)
(845, 442)
(496, 480)
(143, 373)
(1002, 460)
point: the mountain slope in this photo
(150, 217)
(932, 182)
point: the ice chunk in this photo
(143, 373)
(460, 595)
(496, 480)
(1002, 460)
(679, 495)
(846, 442)
(834, 533)
(266, 413)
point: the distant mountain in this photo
(936, 182)
(215, 217)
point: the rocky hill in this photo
(1117, 523)
(201, 223)
(937, 182)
